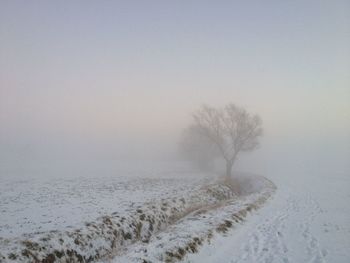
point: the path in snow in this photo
(303, 223)
(269, 240)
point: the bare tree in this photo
(224, 132)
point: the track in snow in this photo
(307, 220)
(269, 240)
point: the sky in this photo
(106, 78)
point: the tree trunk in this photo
(229, 166)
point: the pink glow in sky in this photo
(117, 71)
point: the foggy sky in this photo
(103, 78)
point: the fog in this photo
(128, 131)
(94, 88)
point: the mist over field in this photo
(95, 98)
(110, 81)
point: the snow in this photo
(190, 232)
(195, 218)
(308, 220)
(131, 209)
(37, 205)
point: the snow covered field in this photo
(308, 220)
(188, 234)
(91, 218)
(36, 205)
(44, 214)
(304, 221)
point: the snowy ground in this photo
(308, 220)
(87, 219)
(36, 205)
(187, 235)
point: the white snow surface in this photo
(189, 233)
(93, 218)
(307, 220)
(38, 205)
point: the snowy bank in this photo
(107, 235)
(157, 231)
(200, 226)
